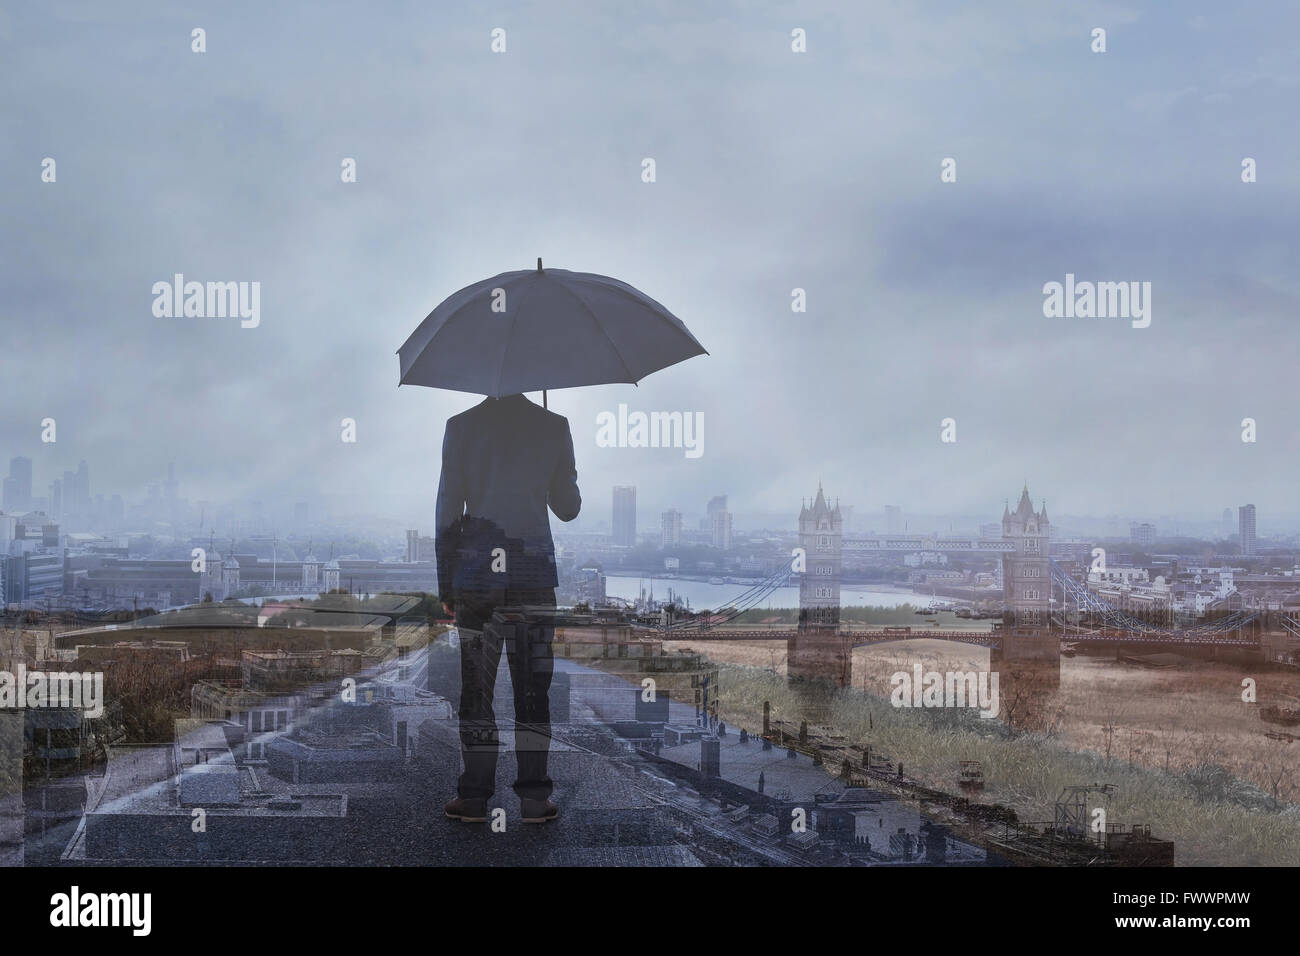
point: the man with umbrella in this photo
(505, 462)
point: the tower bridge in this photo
(1027, 642)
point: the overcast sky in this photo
(775, 170)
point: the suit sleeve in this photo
(451, 505)
(564, 498)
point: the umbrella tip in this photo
(539, 265)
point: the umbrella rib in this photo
(677, 324)
(514, 320)
(601, 329)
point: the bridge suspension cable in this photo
(1112, 616)
(748, 599)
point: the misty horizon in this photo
(924, 299)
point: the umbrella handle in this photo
(543, 398)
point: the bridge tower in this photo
(1028, 657)
(1026, 571)
(816, 650)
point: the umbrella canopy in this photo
(539, 329)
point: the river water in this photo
(706, 596)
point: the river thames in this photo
(706, 596)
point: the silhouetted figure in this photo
(504, 462)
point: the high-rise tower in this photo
(623, 523)
(1246, 526)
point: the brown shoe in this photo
(466, 810)
(538, 811)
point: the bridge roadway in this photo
(858, 637)
(866, 637)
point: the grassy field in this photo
(1187, 756)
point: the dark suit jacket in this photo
(503, 462)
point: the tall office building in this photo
(1246, 529)
(171, 484)
(720, 530)
(893, 519)
(21, 470)
(76, 491)
(83, 488)
(670, 528)
(70, 495)
(18, 486)
(623, 524)
(1142, 534)
(718, 522)
(419, 547)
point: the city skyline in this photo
(287, 512)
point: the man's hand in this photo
(449, 608)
